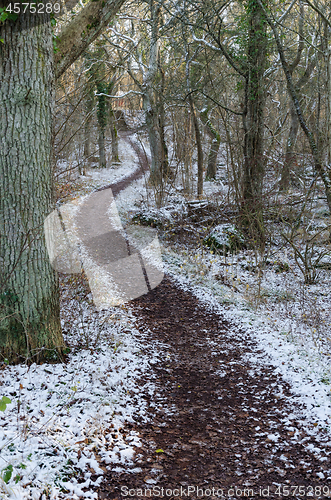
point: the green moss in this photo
(32, 341)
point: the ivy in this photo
(4, 401)
(4, 15)
(7, 473)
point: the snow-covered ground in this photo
(290, 320)
(96, 177)
(63, 419)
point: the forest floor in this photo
(217, 421)
(166, 397)
(219, 424)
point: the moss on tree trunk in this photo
(29, 294)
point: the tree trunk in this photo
(199, 147)
(114, 139)
(158, 149)
(112, 125)
(102, 147)
(165, 162)
(214, 147)
(89, 102)
(320, 168)
(252, 209)
(328, 94)
(290, 155)
(155, 141)
(102, 123)
(29, 298)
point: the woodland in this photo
(205, 126)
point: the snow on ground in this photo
(291, 321)
(293, 354)
(64, 417)
(115, 173)
(96, 177)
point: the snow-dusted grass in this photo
(64, 418)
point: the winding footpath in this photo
(220, 424)
(231, 429)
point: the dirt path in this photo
(225, 425)
(117, 187)
(232, 426)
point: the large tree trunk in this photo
(29, 297)
(252, 209)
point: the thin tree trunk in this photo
(328, 93)
(89, 102)
(29, 297)
(320, 168)
(102, 148)
(112, 125)
(114, 139)
(102, 122)
(150, 105)
(214, 147)
(290, 155)
(199, 146)
(165, 162)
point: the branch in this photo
(289, 79)
(223, 51)
(82, 31)
(240, 113)
(316, 9)
(135, 92)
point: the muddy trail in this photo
(224, 423)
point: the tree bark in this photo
(214, 147)
(199, 146)
(328, 92)
(114, 138)
(82, 31)
(102, 116)
(102, 148)
(290, 155)
(253, 118)
(89, 103)
(152, 104)
(29, 298)
(112, 124)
